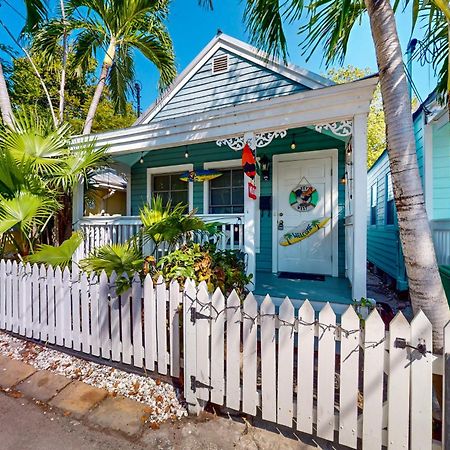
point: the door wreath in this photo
(304, 197)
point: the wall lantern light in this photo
(293, 144)
(265, 167)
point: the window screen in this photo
(226, 193)
(170, 187)
(373, 204)
(390, 206)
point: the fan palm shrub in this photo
(38, 170)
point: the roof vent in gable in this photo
(220, 64)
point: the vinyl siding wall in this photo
(244, 82)
(383, 243)
(307, 140)
(441, 172)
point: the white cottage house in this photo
(302, 225)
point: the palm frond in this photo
(121, 78)
(264, 20)
(57, 256)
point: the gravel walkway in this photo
(162, 399)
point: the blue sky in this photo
(192, 27)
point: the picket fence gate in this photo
(341, 381)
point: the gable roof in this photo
(291, 77)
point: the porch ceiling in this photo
(329, 104)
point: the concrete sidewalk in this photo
(42, 410)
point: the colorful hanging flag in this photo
(200, 175)
(303, 230)
(248, 162)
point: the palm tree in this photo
(36, 12)
(118, 28)
(330, 23)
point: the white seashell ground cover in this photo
(162, 400)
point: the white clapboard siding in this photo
(268, 364)
(421, 384)
(348, 388)
(233, 363)
(203, 311)
(374, 349)
(326, 373)
(285, 392)
(249, 361)
(305, 368)
(398, 384)
(217, 347)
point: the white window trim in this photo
(229, 164)
(330, 153)
(168, 170)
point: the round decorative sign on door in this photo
(304, 197)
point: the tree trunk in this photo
(5, 103)
(425, 285)
(62, 86)
(107, 63)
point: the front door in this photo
(304, 216)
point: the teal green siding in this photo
(383, 243)
(308, 140)
(244, 82)
(441, 172)
(419, 138)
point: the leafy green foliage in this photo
(37, 170)
(57, 256)
(376, 126)
(218, 268)
(27, 93)
(164, 223)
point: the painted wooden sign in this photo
(304, 197)
(303, 231)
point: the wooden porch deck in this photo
(335, 290)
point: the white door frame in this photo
(316, 154)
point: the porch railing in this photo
(441, 238)
(102, 230)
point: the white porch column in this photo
(77, 205)
(250, 220)
(359, 146)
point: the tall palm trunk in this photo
(425, 284)
(107, 63)
(5, 102)
(62, 86)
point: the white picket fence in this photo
(341, 381)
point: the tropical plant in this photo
(224, 269)
(38, 171)
(164, 223)
(57, 256)
(329, 24)
(120, 27)
(26, 92)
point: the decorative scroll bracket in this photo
(237, 143)
(341, 129)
